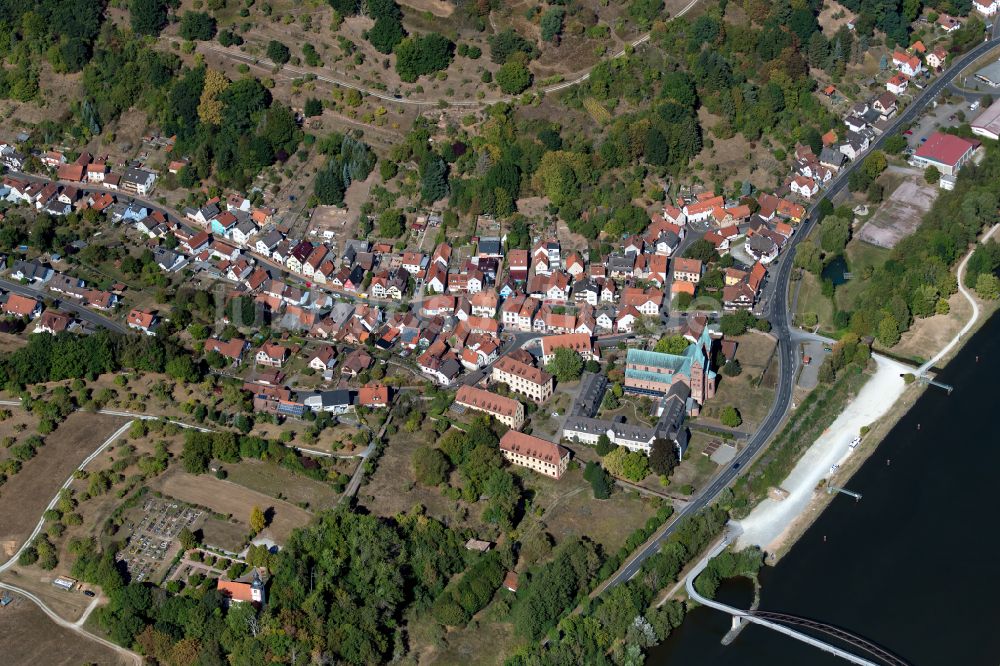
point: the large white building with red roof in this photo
(946, 152)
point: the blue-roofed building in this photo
(654, 373)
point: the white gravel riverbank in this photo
(771, 518)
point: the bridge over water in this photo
(874, 655)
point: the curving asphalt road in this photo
(781, 326)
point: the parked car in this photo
(89, 593)
(908, 133)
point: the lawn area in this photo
(631, 410)
(754, 353)
(230, 499)
(696, 469)
(752, 402)
(282, 483)
(859, 255)
(391, 490)
(488, 640)
(569, 510)
(812, 300)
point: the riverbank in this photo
(775, 525)
(770, 521)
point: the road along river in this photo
(912, 565)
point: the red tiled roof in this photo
(19, 305)
(532, 447)
(946, 148)
(487, 401)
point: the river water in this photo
(912, 566)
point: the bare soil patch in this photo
(10, 342)
(730, 157)
(24, 497)
(441, 8)
(832, 17)
(31, 638)
(900, 215)
(927, 336)
(228, 498)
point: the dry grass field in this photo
(24, 497)
(31, 638)
(273, 480)
(228, 498)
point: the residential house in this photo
(299, 254)
(243, 232)
(17, 305)
(738, 297)
(907, 64)
(574, 264)
(196, 243)
(415, 263)
(356, 362)
(687, 270)
(442, 255)
(605, 320)
(647, 302)
(518, 313)
(314, 260)
(437, 278)
(621, 267)
(231, 350)
(137, 181)
(897, 83)
(323, 359)
(332, 402)
(374, 396)
(52, 159)
(948, 23)
(519, 264)
(986, 7)
(389, 285)
(534, 453)
(268, 242)
(31, 271)
(831, 158)
(53, 322)
(143, 320)
(885, 104)
(935, 59)
(703, 208)
(547, 256)
(586, 291)
(202, 215)
(791, 211)
(484, 304)
(626, 319)
(805, 187)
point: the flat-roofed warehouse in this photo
(987, 124)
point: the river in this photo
(911, 566)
